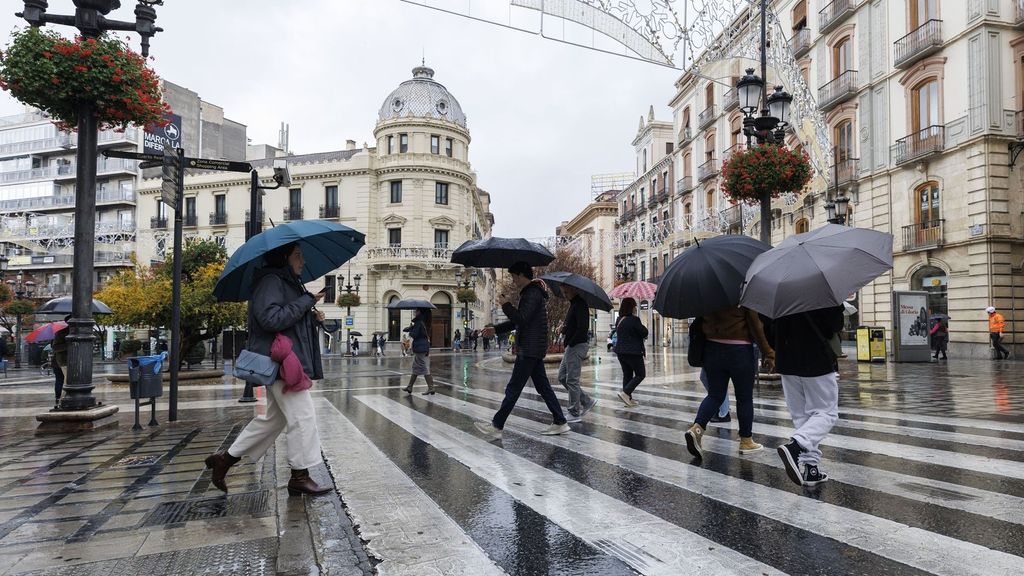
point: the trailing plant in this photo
(769, 169)
(466, 295)
(348, 299)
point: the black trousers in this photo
(58, 380)
(997, 340)
(528, 369)
(633, 371)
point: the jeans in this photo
(569, 376)
(528, 369)
(723, 410)
(813, 403)
(633, 371)
(723, 362)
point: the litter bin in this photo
(871, 344)
(144, 376)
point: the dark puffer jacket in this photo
(420, 336)
(281, 304)
(630, 333)
(799, 351)
(530, 321)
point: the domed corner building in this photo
(414, 195)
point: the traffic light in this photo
(171, 176)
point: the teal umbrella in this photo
(325, 246)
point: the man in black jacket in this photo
(530, 322)
(804, 358)
(574, 329)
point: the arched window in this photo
(925, 105)
(928, 203)
(934, 281)
(709, 147)
(842, 57)
(735, 131)
(709, 95)
(709, 200)
(799, 15)
(802, 225)
(844, 141)
(687, 164)
(688, 213)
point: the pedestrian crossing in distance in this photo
(620, 494)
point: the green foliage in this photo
(348, 299)
(466, 295)
(196, 354)
(768, 169)
(131, 347)
(43, 69)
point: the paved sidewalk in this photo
(117, 502)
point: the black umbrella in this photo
(594, 295)
(411, 304)
(63, 306)
(355, 333)
(707, 276)
(501, 253)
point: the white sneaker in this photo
(488, 429)
(556, 429)
(625, 398)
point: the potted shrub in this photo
(131, 347)
(348, 299)
(769, 168)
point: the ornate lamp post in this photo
(90, 20)
(21, 289)
(349, 289)
(770, 126)
(468, 284)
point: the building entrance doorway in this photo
(441, 327)
(394, 321)
(934, 281)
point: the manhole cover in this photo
(247, 504)
(135, 461)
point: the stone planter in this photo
(510, 358)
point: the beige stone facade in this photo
(921, 102)
(592, 233)
(414, 195)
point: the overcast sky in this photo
(544, 116)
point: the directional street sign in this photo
(133, 155)
(223, 165)
(169, 190)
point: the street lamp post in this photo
(770, 126)
(467, 284)
(348, 309)
(21, 288)
(837, 210)
(90, 20)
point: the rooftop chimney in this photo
(350, 144)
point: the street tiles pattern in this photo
(911, 492)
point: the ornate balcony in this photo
(844, 172)
(737, 147)
(707, 170)
(158, 223)
(925, 40)
(840, 89)
(686, 135)
(926, 142)
(409, 255)
(733, 216)
(218, 219)
(732, 99)
(707, 116)
(800, 43)
(923, 236)
(833, 14)
(626, 216)
(330, 211)
(292, 213)
(684, 185)
(190, 221)
(662, 195)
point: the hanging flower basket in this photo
(748, 174)
(348, 299)
(466, 295)
(43, 69)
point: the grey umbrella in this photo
(817, 269)
(63, 306)
(593, 294)
(411, 304)
(497, 252)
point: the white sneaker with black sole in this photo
(790, 454)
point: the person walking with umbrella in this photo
(574, 330)
(939, 335)
(280, 305)
(530, 320)
(996, 324)
(419, 331)
(629, 348)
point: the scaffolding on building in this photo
(612, 181)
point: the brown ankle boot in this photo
(301, 483)
(220, 463)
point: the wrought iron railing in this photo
(218, 218)
(158, 223)
(800, 43)
(844, 171)
(686, 134)
(732, 99)
(923, 235)
(922, 143)
(833, 13)
(190, 220)
(684, 184)
(330, 211)
(429, 254)
(707, 116)
(293, 213)
(838, 89)
(707, 170)
(924, 40)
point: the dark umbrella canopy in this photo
(411, 304)
(817, 269)
(707, 276)
(325, 247)
(593, 294)
(63, 306)
(497, 252)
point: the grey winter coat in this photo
(281, 304)
(530, 321)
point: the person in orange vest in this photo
(996, 323)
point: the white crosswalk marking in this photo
(403, 525)
(912, 546)
(594, 517)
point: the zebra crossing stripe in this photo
(646, 543)
(936, 492)
(922, 418)
(403, 526)
(915, 547)
(928, 433)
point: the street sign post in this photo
(222, 165)
(170, 191)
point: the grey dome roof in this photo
(422, 97)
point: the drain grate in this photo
(136, 461)
(252, 558)
(250, 503)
